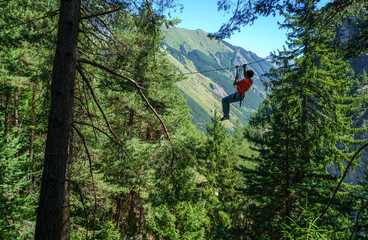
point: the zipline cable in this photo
(213, 70)
(261, 60)
(222, 69)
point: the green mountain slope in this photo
(193, 52)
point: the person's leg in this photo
(226, 102)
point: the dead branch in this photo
(155, 112)
(102, 67)
(98, 129)
(98, 104)
(139, 88)
(98, 37)
(104, 82)
(90, 40)
(93, 181)
(85, 94)
(121, 142)
(77, 188)
(342, 178)
(93, 54)
(112, 34)
(357, 220)
(102, 33)
(100, 14)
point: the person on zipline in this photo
(242, 86)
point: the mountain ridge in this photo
(209, 68)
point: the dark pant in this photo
(235, 97)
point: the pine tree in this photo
(176, 209)
(308, 129)
(24, 70)
(220, 181)
(360, 207)
(334, 12)
(16, 204)
(49, 216)
(124, 137)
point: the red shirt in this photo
(244, 85)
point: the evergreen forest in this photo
(98, 141)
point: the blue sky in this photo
(263, 37)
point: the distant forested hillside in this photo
(196, 55)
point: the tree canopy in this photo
(98, 142)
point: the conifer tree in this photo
(95, 40)
(307, 130)
(219, 186)
(49, 216)
(335, 12)
(359, 230)
(24, 70)
(17, 207)
(123, 135)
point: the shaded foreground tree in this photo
(308, 125)
(49, 216)
(217, 165)
(63, 90)
(24, 60)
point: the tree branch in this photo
(121, 142)
(82, 200)
(100, 14)
(93, 181)
(104, 82)
(114, 39)
(109, 71)
(98, 129)
(342, 178)
(155, 112)
(139, 88)
(357, 220)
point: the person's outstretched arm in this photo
(236, 81)
(244, 69)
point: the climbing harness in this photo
(241, 98)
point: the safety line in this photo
(213, 70)
(222, 69)
(264, 59)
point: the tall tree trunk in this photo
(287, 180)
(31, 140)
(16, 117)
(7, 114)
(32, 126)
(49, 222)
(66, 206)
